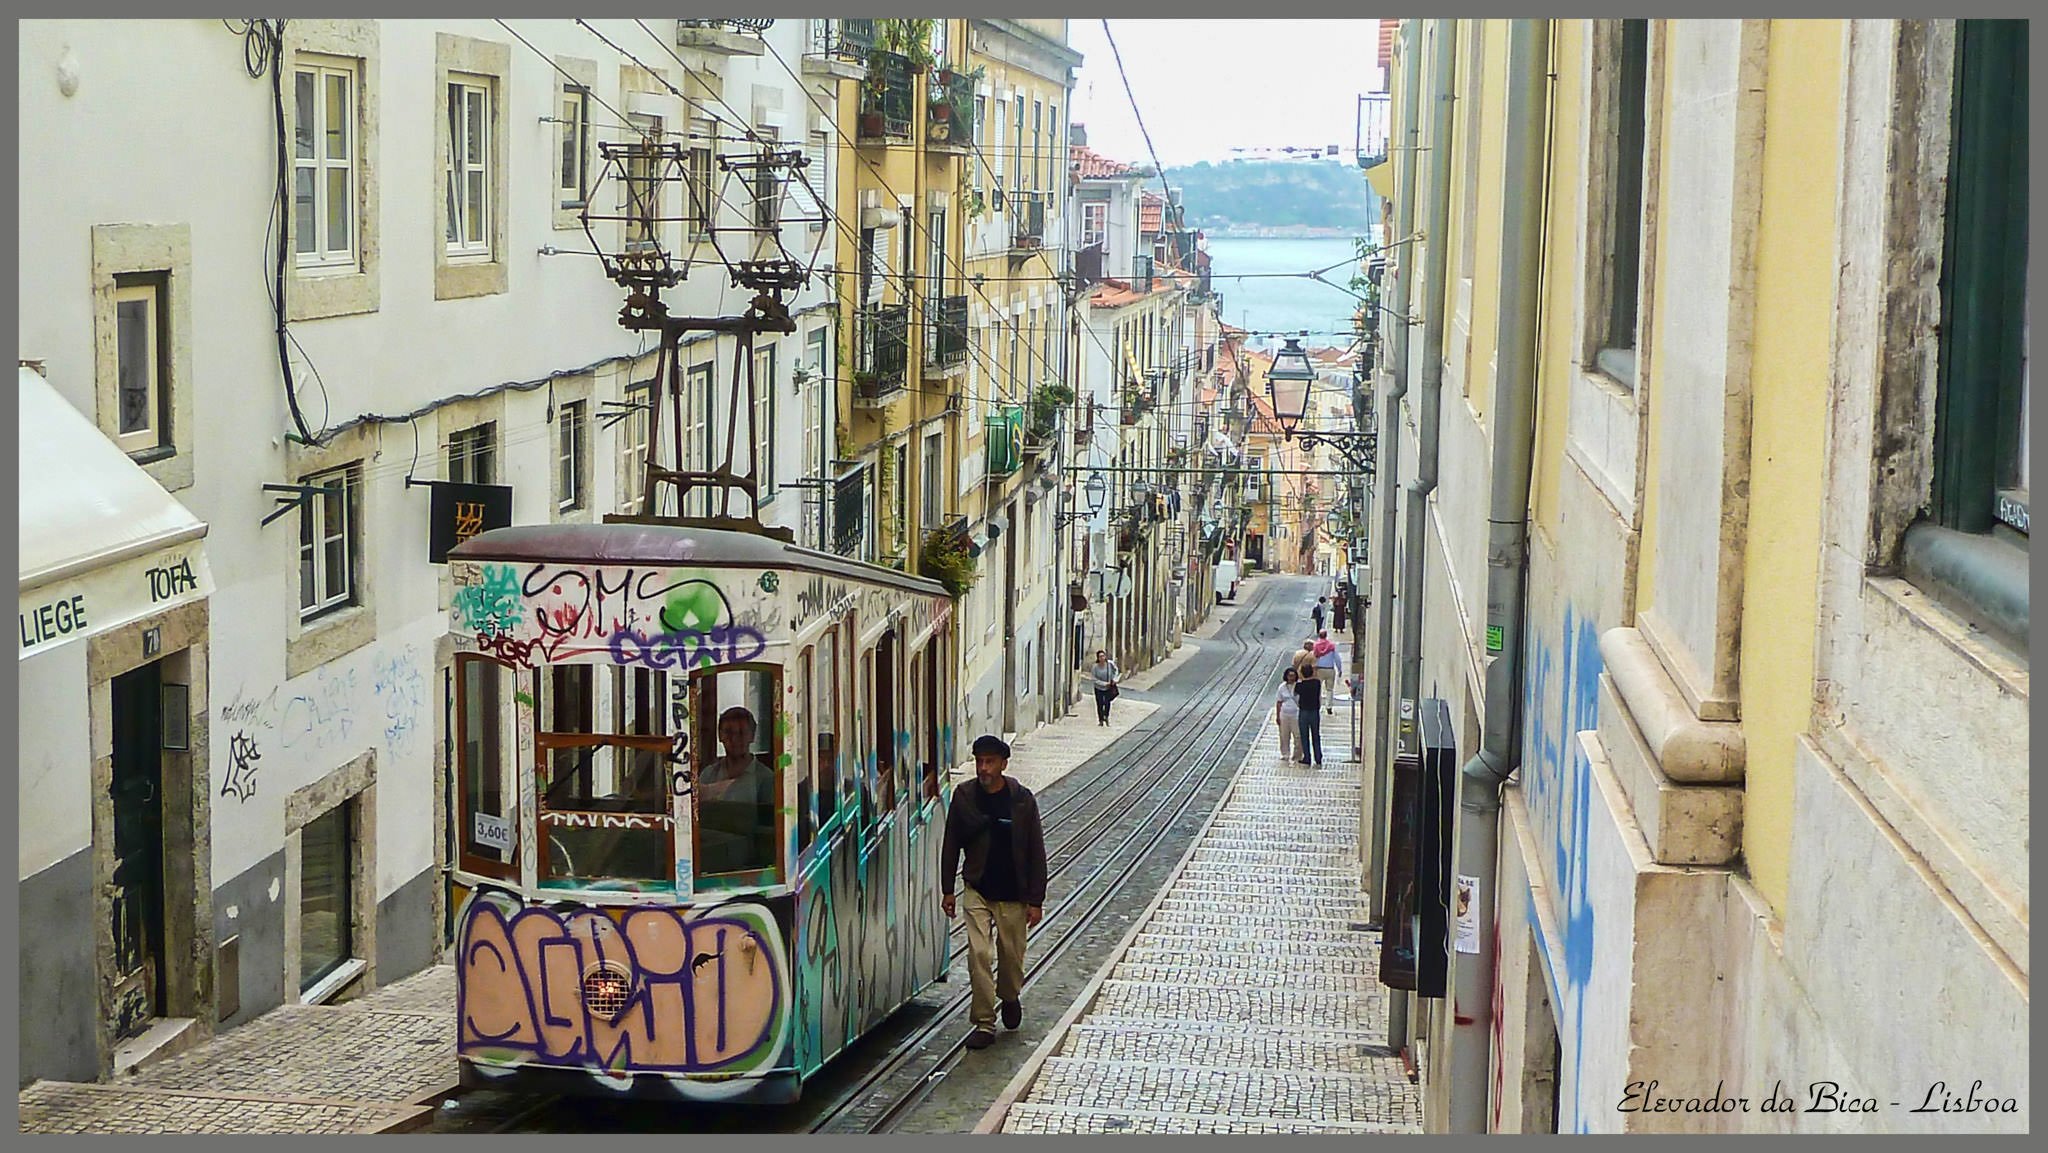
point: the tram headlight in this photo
(605, 989)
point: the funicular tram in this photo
(696, 801)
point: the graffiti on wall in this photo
(659, 990)
(242, 757)
(1562, 699)
(401, 689)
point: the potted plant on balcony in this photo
(1046, 402)
(871, 90)
(946, 560)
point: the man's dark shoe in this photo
(1013, 1014)
(981, 1038)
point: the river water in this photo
(1284, 304)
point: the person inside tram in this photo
(736, 801)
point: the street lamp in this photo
(1288, 381)
(1098, 492)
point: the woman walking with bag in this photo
(1105, 676)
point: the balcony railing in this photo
(887, 97)
(1028, 212)
(882, 333)
(850, 512)
(945, 343)
(726, 37)
(1373, 125)
(842, 39)
(950, 123)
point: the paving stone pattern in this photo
(359, 1067)
(1249, 1001)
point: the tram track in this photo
(1164, 748)
(861, 1109)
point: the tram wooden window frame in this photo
(826, 768)
(466, 860)
(703, 740)
(544, 744)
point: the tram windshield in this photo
(606, 761)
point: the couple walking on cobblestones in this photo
(996, 845)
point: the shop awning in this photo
(102, 544)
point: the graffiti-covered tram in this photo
(695, 807)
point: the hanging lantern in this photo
(1288, 381)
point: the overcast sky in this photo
(1208, 86)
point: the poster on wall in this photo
(1468, 916)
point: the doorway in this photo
(137, 786)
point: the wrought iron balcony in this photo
(1374, 109)
(950, 120)
(839, 48)
(1028, 213)
(724, 37)
(945, 343)
(850, 511)
(882, 336)
(887, 98)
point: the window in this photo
(980, 138)
(325, 851)
(1052, 152)
(934, 473)
(328, 540)
(472, 454)
(933, 773)
(466, 172)
(703, 192)
(141, 365)
(1980, 475)
(1616, 337)
(324, 163)
(571, 431)
(1037, 143)
(489, 776)
(902, 496)
(634, 434)
(825, 705)
(738, 788)
(936, 231)
(767, 189)
(806, 782)
(603, 812)
(1017, 150)
(764, 418)
(698, 390)
(814, 402)
(642, 186)
(572, 131)
(1094, 223)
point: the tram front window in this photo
(604, 804)
(738, 788)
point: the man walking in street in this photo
(993, 824)
(1304, 661)
(1317, 612)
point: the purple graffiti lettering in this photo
(687, 648)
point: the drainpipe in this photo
(1434, 231)
(1388, 465)
(1514, 402)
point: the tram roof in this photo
(627, 543)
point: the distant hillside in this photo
(1258, 195)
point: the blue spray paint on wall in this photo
(1562, 699)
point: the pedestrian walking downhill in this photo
(1308, 694)
(1105, 676)
(996, 845)
(1287, 714)
(1317, 612)
(1327, 664)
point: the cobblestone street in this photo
(1222, 1017)
(374, 1065)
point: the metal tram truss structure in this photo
(695, 802)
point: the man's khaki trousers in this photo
(995, 953)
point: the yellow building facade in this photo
(1774, 594)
